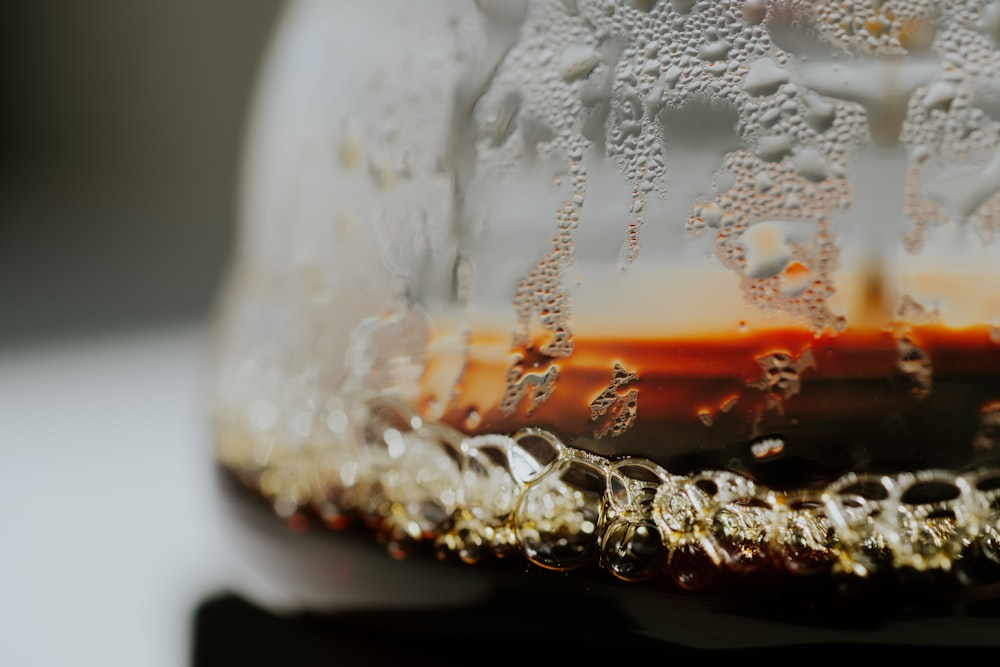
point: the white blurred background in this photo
(121, 124)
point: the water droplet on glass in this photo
(577, 61)
(765, 77)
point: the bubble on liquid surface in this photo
(678, 510)
(532, 452)
(559, 518)
(804, 538)
(411, 470)
(853, 505)
(633, 485)
(742, 530)
(632, 550)
(489, 488)
(935, 513)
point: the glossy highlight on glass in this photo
(674, 287)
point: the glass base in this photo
(578, 613)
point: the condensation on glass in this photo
(670, 285)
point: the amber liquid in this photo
(855, 401)
(782, 406)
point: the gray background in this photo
(121, 123)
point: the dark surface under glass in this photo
(587, 613)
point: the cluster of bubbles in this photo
(600, 76)
(561, 508)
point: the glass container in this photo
(684, 289)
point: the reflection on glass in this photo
(673, 286)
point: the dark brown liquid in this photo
(783, 406)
